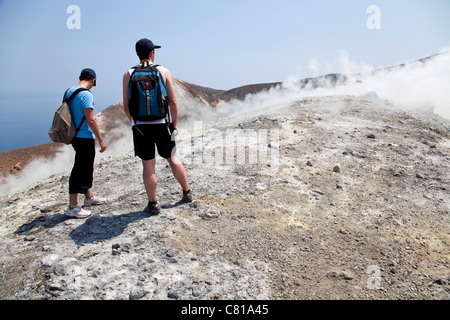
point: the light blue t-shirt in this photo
(82, 100)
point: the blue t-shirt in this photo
(82, 100)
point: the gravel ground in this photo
(324, 198)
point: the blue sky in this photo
(218, 44)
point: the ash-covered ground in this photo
(324, 198)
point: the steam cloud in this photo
(418, 86)
(42, 168)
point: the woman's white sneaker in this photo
(77, 212)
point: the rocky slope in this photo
(322, 198)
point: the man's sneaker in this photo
(187, 196)
(93, 201)
(153, 208)
(77, 212)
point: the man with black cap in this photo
(148, 133)
(81, 177)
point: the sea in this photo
(25, 118)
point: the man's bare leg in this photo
(179, 172)
(150, 179)
(73, 199)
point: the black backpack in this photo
(147, 94)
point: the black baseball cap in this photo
(144, 47)
(90, 73)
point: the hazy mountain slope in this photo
(348, 199)
(200, 103)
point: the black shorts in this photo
(145, 136)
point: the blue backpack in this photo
(147, 93)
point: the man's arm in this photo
(89, 113)
(126, 80)
(171, 96)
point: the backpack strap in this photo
(79, 127)
(64, 96)
(71, 98)
(146, 64)
(73, 94)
